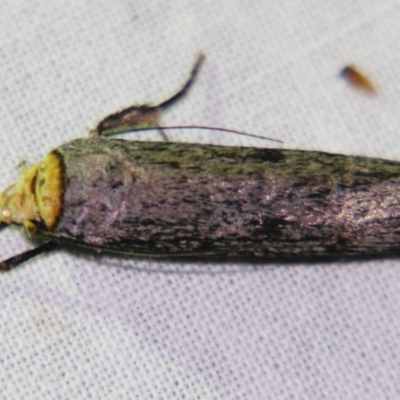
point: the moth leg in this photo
(162, 133)
(189, 83)
(145, 116)
(15, 261)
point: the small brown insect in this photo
(358, 79)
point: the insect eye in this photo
(6, 215)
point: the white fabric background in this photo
(75, 326)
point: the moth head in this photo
(5, 212)
(17, 201)
(36, 196)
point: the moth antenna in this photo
(209, 128)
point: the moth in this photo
(191, 201)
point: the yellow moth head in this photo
(17, 202)
(36, 196)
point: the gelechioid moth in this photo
(192, 201)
